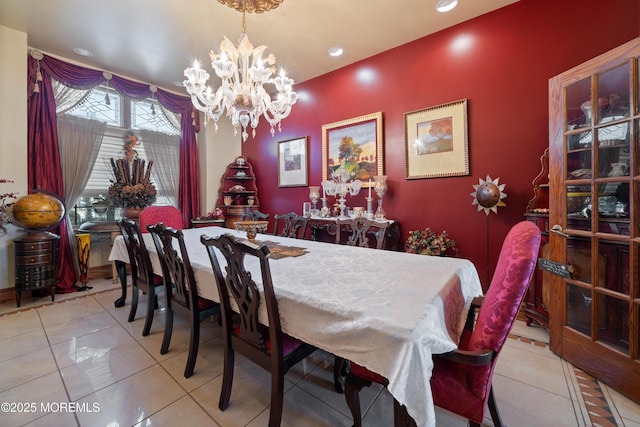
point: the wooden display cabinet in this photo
(238, 191)
(536, 303)
(594, 159)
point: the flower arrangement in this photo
(427, 242)
(6, 201)
(130, 142)
(131, 184)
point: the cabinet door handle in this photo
(558, 230)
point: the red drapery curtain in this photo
(44, 170)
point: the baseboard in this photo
(7, 294)
(97, 272)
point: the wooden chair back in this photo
(360, 230)
(176, 268)
(139, 261)
(290, 225)
(255, 216)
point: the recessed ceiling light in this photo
(335, 51)
(446, 5)
(83, 52)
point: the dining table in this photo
(388, 311)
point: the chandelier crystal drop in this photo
(248, 80)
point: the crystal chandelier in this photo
(244, 73)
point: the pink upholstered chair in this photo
(168, 215)
(461, 380)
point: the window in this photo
(121, 114)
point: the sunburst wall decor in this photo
(488, 195)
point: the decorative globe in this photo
(38, 211)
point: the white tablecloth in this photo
(388, 311)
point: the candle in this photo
(369, 187)
(323, 195)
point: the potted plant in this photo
(6, 201)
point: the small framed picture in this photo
(293, 163)
(436, 141)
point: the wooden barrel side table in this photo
(36, 260)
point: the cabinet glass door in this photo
(595, 199)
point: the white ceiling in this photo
(155, 40)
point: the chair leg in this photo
(151, 306)
(227, 378)
(168, 329)
(134, 303)
(493, 409)
(401, 417)
(352, 387)
(194, 343)
(340, 371)
(277, 399)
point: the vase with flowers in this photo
(428, 242)
(6, 201)
(131, 187)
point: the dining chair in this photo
(168, 215)
(461, 381)
(268, 347)
(293, 225)
(142, 277)
(253, 215)
(361, 229)
(181, 290)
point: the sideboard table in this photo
(324, 230)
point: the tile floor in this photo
(82, 350)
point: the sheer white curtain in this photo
(68, 97)
(79, 141)
(164, 150)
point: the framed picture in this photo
(355, 144)
(293, 162)
(436, 141)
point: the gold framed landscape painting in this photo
(436, 141)
(355, 144)
(293, 162)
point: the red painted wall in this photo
(501, 62)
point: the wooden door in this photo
(594, 127)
